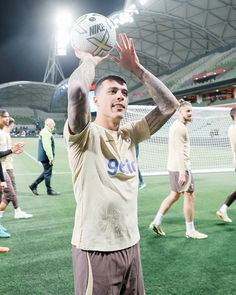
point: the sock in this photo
(1, 213)
(231, 198)
(190, 226)
(2, 228)
(224, 208)
(158, 218)
(17, 210)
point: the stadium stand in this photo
(172, 42)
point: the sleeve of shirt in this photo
(179, 139)
(79, 139)
(138, 130)
(47, 144)
(5, 153)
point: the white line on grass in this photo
(27, 174)
(35, 160)
(32, 158)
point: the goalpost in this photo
(210, 149)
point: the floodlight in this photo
(63, 19)
(143, 2)
(62, 22)
(132, 9)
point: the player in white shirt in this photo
(181, 179)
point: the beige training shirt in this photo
(105, 181)
(178, 148)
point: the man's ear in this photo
(95, 100)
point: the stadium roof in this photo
(170, 33)
(26, 94)
(167, 34)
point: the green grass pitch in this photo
(39, 261)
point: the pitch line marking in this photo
(32, 158)
(35, 160)
(56, 173)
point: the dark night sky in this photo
(26, 29)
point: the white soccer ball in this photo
(93, 33)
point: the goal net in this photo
(210, 149)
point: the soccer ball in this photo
(93, 33)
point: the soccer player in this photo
(9, 193)
(3, 230)
(46, 155)
(102, 157)
(9, 158)
(181, 179)
(222, 212)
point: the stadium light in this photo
(132, 9)
(143, 2)
(63, 21)
(125, 17)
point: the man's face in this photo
(186, 113)
(4, 119)
(111, 99)
(51, 125)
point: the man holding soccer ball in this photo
(102, 156)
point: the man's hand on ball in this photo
(86, 55)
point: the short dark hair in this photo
(233, 113)
(118, 79)
(2, 112)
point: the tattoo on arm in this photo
(78, 89)
(162, 96)
(156, 119)
(166, 102)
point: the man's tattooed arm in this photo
(166, 102)
(78, 89)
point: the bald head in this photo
(50, 123)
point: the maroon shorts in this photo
(175, 187)
(9, 194)
(108, 273)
